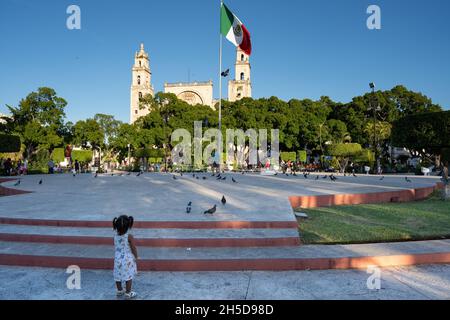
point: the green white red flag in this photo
(234, 30)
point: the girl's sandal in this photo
(130, 295)
(120, 293)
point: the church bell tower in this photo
(141, 83)
(241, 86)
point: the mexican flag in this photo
(233, 29)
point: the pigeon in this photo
(204, 178)
(407, 180)
(224, 200)
(213, 175)
(74, 175)
(354, 174)
(193, 176)
(276, 174)
(129, 174)
(306, 176)
(325, 177)
(211, 211)
(243, 172)
(198, 178)
(224, 178)
(317, 177)
(17, 183)
(96, 175)
(234, 180)
(190, 204)
(40, 181)
(382, 178)
(174, 178)
(188, 210)
(181, 173)
(138, 175)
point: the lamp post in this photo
(320, 136)
(374, 108)
(128, 162)
(166, 119)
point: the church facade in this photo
(194, 92)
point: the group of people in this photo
(52, 168)
(11, 168)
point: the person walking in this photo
(51, 166)
(77, 167)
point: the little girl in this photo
(125, 256)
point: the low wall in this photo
(306, 202)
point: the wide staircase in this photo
(162, 245)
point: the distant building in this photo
(141, 83)
(192, 92)
(241, 86)
(2, 116)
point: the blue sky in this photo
(301, 49)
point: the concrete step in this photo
(229, 259)
(153, 237)
(158, 224)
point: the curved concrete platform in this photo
(67, 220)
(9, 191)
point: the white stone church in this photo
(194, 92)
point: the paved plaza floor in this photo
(159, 197)
(397, 283)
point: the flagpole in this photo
(220, 92)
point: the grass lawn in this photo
(424, 220)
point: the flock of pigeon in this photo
(219, 177)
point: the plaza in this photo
(164, 161)
(66, 221)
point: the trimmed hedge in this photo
(286, 156)
(82, 156)
(302, 155)
(9, 143)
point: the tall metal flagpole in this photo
(220, 90)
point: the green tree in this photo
(38, 120)
(424, 134)
(344, 152)
(88, 134)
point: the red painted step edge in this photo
(231, 264)
(156, 224)
(328, 200)
(169, 243)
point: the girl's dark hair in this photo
(123, 224)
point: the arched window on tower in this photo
(138, 80)
(242, 57)
(140, 63)
(140, 95)
(242, 76)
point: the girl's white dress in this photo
(125, 268)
